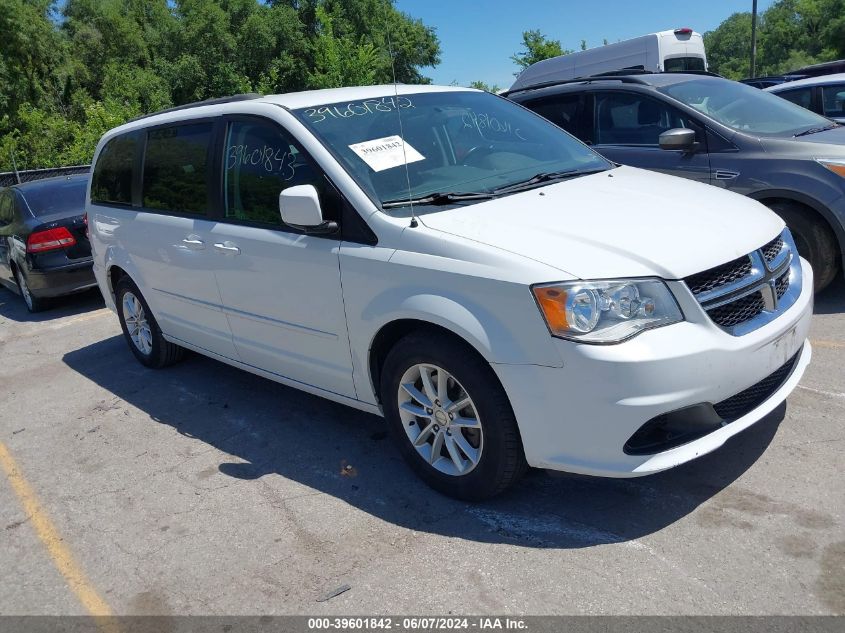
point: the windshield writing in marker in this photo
(484, 122)
(366, 107)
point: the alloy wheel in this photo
(137, 324)
(440, 419)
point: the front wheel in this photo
(450, 417)
(141, 329)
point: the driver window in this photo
(260, 161)
(624, 118)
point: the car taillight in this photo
(49, 240)
(683, 31)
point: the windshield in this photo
(58, 196)
(455, 142)
(745, 108)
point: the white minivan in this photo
(501, 293)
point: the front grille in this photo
(719, 276)
(746, 401)
(782, 285)
(773, 249)
(746, 292)
(738, 311)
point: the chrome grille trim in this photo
(775, 276)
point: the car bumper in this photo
(62, 280)
(578, 418)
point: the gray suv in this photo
(720, 132)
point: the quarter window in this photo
(112, 178)
(631, 119)
(260, 161)
(176, 173)
(833, 98)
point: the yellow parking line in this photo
(49, 535)
(828, 344)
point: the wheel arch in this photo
(820, 210)
(392, 332)
(516, 336)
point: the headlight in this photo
(836, 165)
(606, 311)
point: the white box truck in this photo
(667, 51)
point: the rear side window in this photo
(176, 168)
(562, 110)
(111, 181)
(833, 98)
(799, 96)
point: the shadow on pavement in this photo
(347, 454)
(12, 306)
(832, 299)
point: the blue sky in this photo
(478, 38)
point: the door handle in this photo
(193, 242)
(227, 248)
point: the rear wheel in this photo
(141, 329)
(814, 239)
(33, 303)
(450, 417)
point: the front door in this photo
(627, 126)
(280, 288)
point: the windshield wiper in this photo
(544, 177)
(816, 129)
(438, 197)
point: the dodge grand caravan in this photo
(501, 293)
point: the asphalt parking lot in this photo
(201, 489)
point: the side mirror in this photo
(300, 208)
(678, 138)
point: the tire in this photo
(33, 303)
(814, 239)
(144, 338)
(487, 422)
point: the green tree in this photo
(791, 34)
(72, 69)
(480, 85)
(729, 46)
(536, 47)
(31, 49)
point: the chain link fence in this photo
(11, 178)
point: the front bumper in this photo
(578, 418)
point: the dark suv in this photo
(719, 132)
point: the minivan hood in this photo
(626, 222)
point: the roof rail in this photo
(196, 104)
(630, 76)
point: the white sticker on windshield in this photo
(384, 153)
